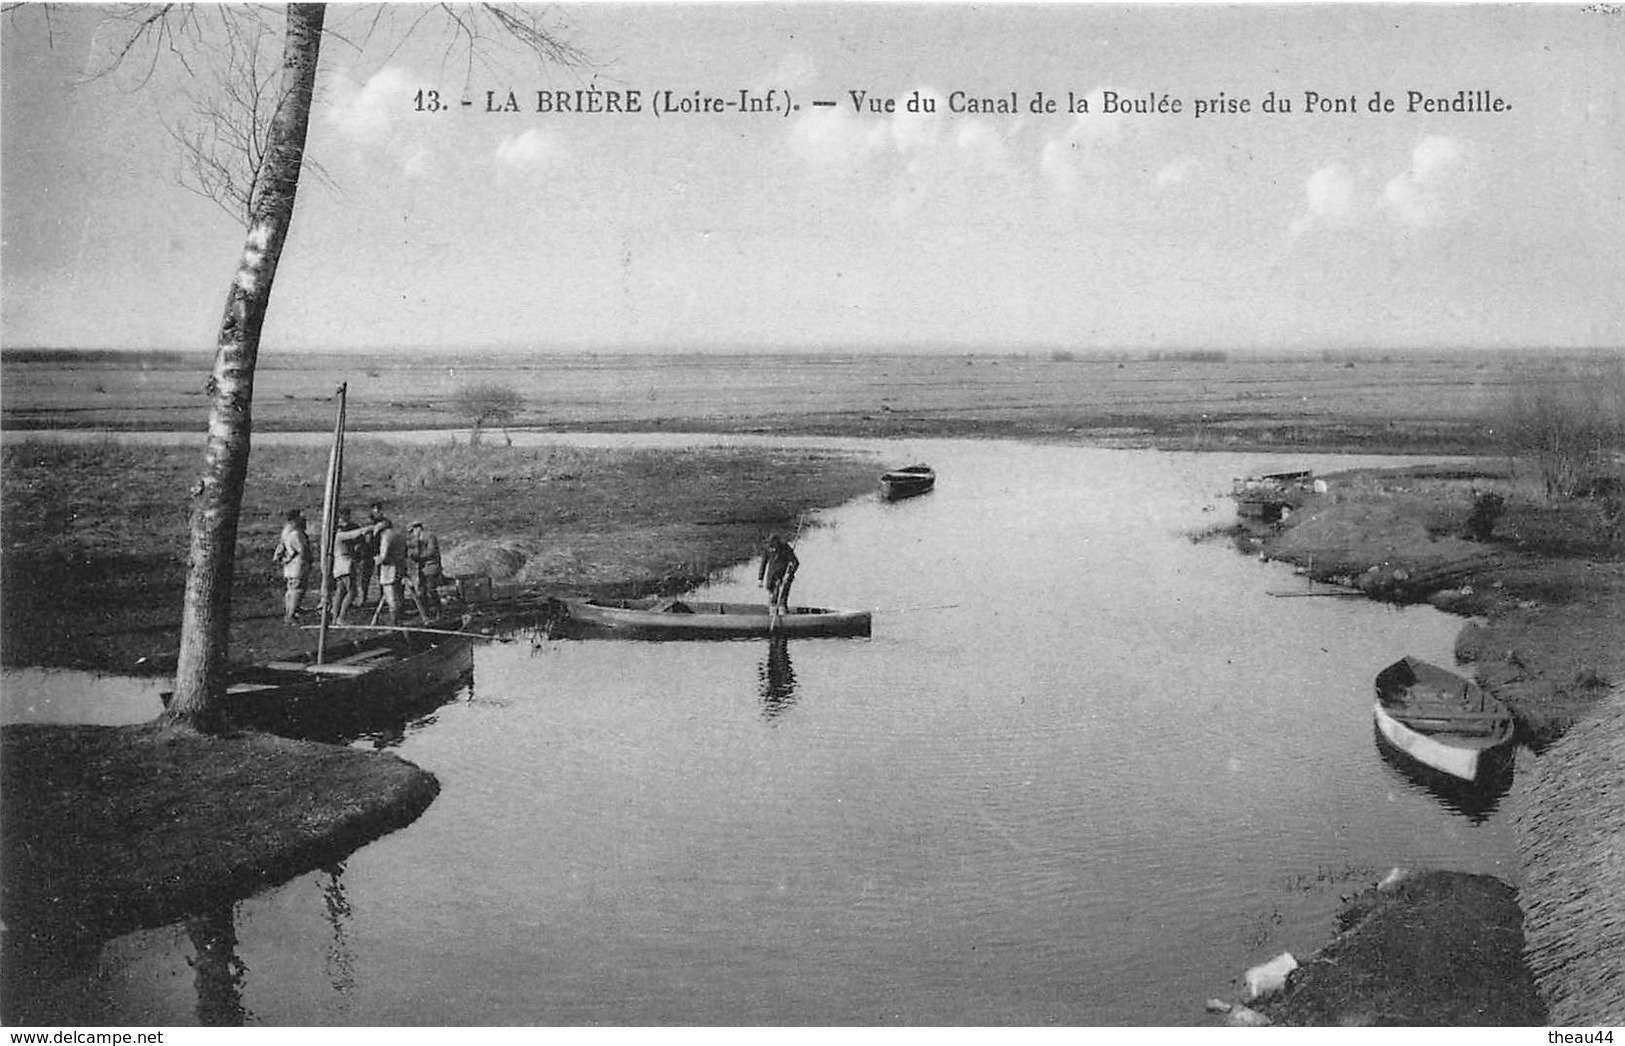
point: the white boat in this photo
(1441, 720)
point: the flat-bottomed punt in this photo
(1441, 720)
(907, 482)
(666, 618)
(369, 684)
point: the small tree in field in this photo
(489, 404)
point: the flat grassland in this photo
(1373, 403)
(95, 534)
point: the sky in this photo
(1340, 225)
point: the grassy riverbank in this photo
(1426, 949)
(1545, 586)
(109, 829)
(95, 535)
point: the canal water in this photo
(1085, 772)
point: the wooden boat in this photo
(359, 686)
(351, 688)
(1270, 496)
(907, 482)
(1440, 720)
(1477, 800)
(666, 618)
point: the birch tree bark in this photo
(217, 495)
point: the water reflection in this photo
(218, 971)
(340, 953)
(777, 677)
(975, 805)
(396, 724)
(1475, 800)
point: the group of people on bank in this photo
(404, 564)
(409, 565)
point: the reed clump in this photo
(1572, 839)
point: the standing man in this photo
(391, 560)
(423, 552)
(351, 547)
(293, 553)
(777, 573)
(363, 551)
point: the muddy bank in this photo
(1429, 948)
(1542, 594)
(104, 830)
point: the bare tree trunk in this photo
(217, 495)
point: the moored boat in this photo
(360, 686)
(907, 482)
(1272, 495)
(666, 618)
(1441, 720)
(346, 689)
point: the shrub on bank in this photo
(1570, 423)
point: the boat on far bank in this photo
(667, 618)
(907, 482)
(1442, 721)
(1273, 495)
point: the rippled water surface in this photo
(1086, 771)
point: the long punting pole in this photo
(330, 502)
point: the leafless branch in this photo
(475, 33)
(527, 29)
(223, 142)
(11, 10)
(232, 52)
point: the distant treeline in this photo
(164, 358)
(1190, 356)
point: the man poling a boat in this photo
(777, 573)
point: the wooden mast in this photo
(330, 507)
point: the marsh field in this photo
(94, 536)
(1331, 402)
(95, 532)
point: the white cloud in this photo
(920, 157)
(1176, 172)
(980, 144)
(367, 112)
(834, 140)
(795, 70)
(1434, 190)
(1064, 158)
(1330, 194)
(379, 121)
(918, 131)
(533, 150)
(1060, 167)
